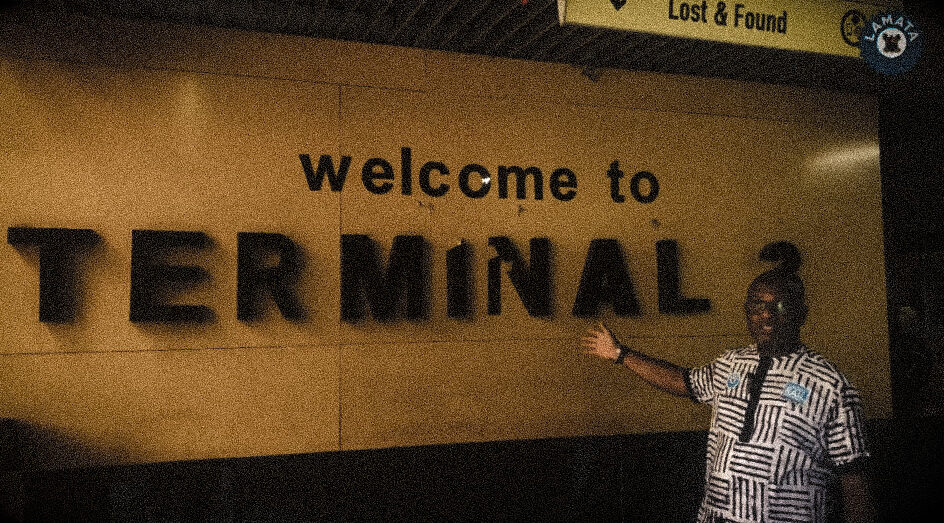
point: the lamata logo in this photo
(891, 43)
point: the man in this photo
(785, 422)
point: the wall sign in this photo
(371, 287)
(475, 181)
(216, 265)
(827, 27)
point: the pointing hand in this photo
(600, 342)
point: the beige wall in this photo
(113, 126)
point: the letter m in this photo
(325, 165)
(363, 278)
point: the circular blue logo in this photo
(891, 43)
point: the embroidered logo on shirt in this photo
(733, 380)
(796, 393)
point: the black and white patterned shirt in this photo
(782, 429)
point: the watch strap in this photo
(623, 351)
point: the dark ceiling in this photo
(523, 29)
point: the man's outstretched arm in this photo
(600, 342)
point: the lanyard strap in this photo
(756, 382)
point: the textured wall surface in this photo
(116, 127)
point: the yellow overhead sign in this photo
(828, 27)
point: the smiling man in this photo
(786, 425)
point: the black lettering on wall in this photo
(153, 280)
(563, 178)
(614, 174)
(369, 174)
(59, 250)
(653, 187)
(670, 285)
(521, 180)
(531, 281)
(255, 279)
(483, 174)
(459, 281)
(425, 171)
(379, 177)
(605, 280)
(325, 166)
(406, 167)
(363, 279)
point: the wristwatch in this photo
(624, 350)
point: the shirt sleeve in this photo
(700, 382)
(845, 432)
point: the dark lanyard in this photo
(756, 382)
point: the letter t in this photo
(59, 250)
(614, 173)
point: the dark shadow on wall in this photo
(653, 477)
(642, 477)
(637, 477)
(27, 448)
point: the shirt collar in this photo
(800, 349)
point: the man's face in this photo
(773, 318)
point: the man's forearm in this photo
(658, 373)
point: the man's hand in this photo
(600, 342)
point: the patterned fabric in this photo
(781, 430)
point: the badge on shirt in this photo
(733, 380)
(796, 393)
